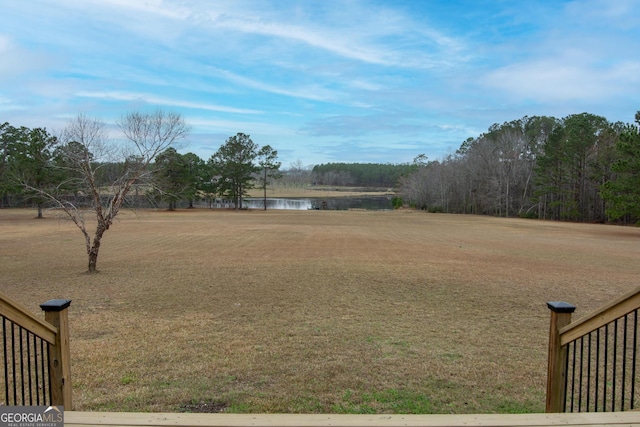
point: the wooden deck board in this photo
(81, 419)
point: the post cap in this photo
(55, 304)
(561, 307)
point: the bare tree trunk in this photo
(265, 197)
(93, 259)
(95, 248)
(265, 188)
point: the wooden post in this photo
(557, 368)
(56, 313)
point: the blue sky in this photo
(320, 81)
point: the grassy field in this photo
(314, 311)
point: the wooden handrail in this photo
(20, 315)
(563, 332)
(600, 317)
(55, 331)
(163, 419)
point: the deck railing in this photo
(593, 362)
(592, 365)
(37, 366)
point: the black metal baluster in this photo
(633, 365)
(45, 378)
(49, 379)
(597, 382)
(23, 374)
(581, 385)
(624, 364)
(589, 370)
(21, 377)
(615, 365)
(6, 360)
(566, 378)
(35, 368)
(635, 351)
(573, 376)
(13, 360)
(606, 367)
(30, 377)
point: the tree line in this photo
(578, 168)
(82, 173)
(35, 164)
(238, 166)
(361, 174)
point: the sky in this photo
(368, 81)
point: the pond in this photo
(332, 203)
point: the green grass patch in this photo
(396, 401)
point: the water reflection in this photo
(332, 203)
(274, 203)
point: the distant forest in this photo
(579, 168)
(361, 174)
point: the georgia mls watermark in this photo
(31, 416)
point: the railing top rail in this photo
(141, 419)
(601, 317)
(17, 313)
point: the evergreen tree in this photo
(31, 165)
(233, 167)
(270, 168)
(170, 177)
(622, 193)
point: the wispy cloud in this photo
(314, 92)
(550, 80)
(351, 125)
(359, 31)
(575, 58)
(5, 44)
(310, 36)
(156, 100)
(157, 7)
(7, 104)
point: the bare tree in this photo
(297, 175)
(87, 150)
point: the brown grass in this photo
(314, 311)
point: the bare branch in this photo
(72, 211)
(153, 133)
